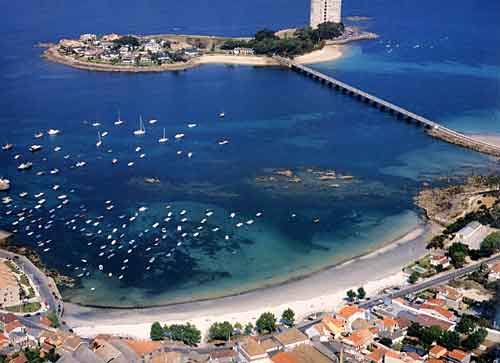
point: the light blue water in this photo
(275, 119)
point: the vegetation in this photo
(351, 295)
(475, 339)
(361, 293)
(266, 323)
(288, 317)
(54, 320)
(127, 40)
(249, 329)
(386, 341)
(491, 244)
(25, 308)
(186, 333)
(414, 277)
(457, 253)
(220, 331)
(156, 332)
(467, 324)
(303, 41)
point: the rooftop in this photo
(291, 336)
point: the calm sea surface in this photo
(125, 241)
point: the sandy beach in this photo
(321, 291)
(327, 54)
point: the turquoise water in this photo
(275, 119)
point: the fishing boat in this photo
(4, 184)
(164, 139)
(99, 140)
(7, 147)
(25, 166)
(142, 129)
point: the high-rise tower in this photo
(323, 11)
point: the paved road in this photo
(41, 281)
(436, 280)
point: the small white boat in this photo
(164, 139)
(130, 164)
(23, 194)
(119, 121)
(192, 125)
(79, 164)
(53, 132)
(142, 129)
(223, 142)
(190, 154)
(179, 136)
(99, 140)
(143, 209)
(25, 166)
(54, 171)
(35, 148)
(104, 134)
(96, 124)
(38, 135)
(57, 148)
(137, 149)
(7, 147)
(114, 161)
(153, 121)
(222, 114)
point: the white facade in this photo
(323, 11)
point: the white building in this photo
(323, 11)
(472, 235)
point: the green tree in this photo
(156, 332)
(414, 277)
(458, 252)
(430, 335)
(220, 331)
(238, 328)
(330, 30)
(288, 317)
(475, 339)
(249, 329)
(386, 341)
(264, 34)
(351, 295)
(186, 333)
(449, 339)
(266, 323)
(491, 244)
(466, 325)
(361, 293)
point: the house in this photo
(105, 350)
(19, 358)
(110, 37)
(494, 272)
(224, 356)
(428, 321)
(387, 325)
(291, 338)
(360, 339)
(302, 354)
(437, 351)
(10, 291)
(14, 326)
(336, 326)
(458, 356)
(88, 38)
(439, 261)
(252, 351)
(472, 235)
(320, 331)
(243, 51)
(451, 295)
(438, 311)
(349, 314)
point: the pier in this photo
(432, 128)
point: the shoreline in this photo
(326, 54)
(307, 294)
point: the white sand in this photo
(326, 54)
(322, 291)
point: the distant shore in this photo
(327, 54)
(324, 290)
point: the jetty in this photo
(432, 128)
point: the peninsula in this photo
(171, 52)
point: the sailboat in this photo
(99, 139)
(164, 139)
(142, 129)
(119, 121)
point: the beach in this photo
(321, 291)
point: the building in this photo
(252, 352)
(291, 338)
(9, 287)
(350, 313)
(323, 11)
(494, 272)
(472, 235)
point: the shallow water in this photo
(275, 119)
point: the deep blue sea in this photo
(127, 243)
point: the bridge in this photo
(432, 128)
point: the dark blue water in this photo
(426, 60)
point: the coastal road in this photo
(38, 277)
(436, 280)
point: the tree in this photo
(156, 332)
(491, 244)
(54, 320)
(288, 317)
(475, 339)
(127, 40)
(458, 252)
(220, 331)
(415, 330)
(430, 335)
(450, 340)
(238, 328)
(361, 293)
(185, 333)
(386, 341)
(264, 34)
(249, 329)
(414, 277)
(330, 30)
(266, 323)
(466, 325)
(351, 295)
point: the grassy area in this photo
(12, 266)
(25, 308)
(24, 280)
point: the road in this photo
(436, 280)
